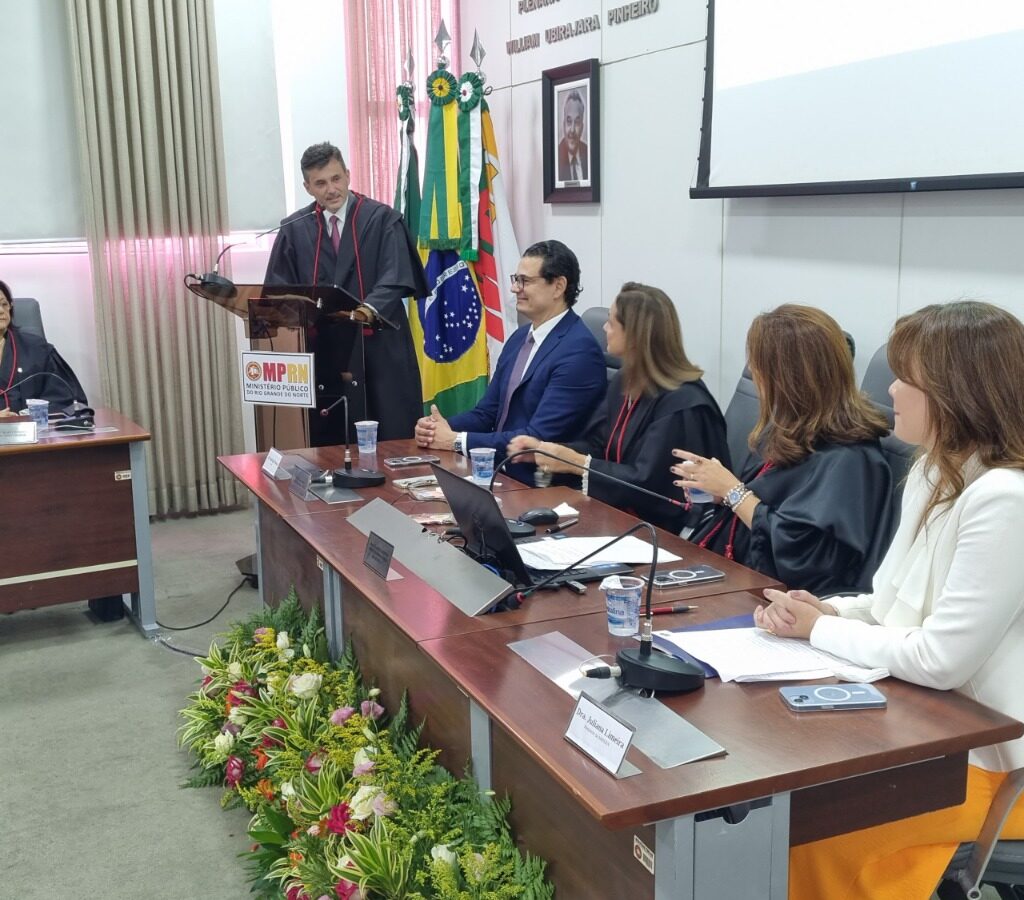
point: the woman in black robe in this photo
(818, 507)
(654, 403)
(30, 367)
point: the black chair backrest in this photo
(876, 382)
(27, 316)
(594, 318)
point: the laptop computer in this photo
(489, 541)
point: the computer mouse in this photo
(541, 515)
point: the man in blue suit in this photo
(551, 372)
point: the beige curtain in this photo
(148, 117)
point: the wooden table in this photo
(78, 519)
(786, 778)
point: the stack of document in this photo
(557, 553)
(751, 654)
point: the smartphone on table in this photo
(828, 697)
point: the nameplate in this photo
(303, 474)
(604, 737)
(21, 432)
(378, 553)
(272, 465)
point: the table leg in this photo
(333, 611)
(143, 601)
(741, 852)
(260, 580)
(480, 743)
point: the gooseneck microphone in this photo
(216, 283)
(77, 409)
(361, 478)
(614, 478)
(638, 667)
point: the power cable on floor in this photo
(224, 606)
(190, 653)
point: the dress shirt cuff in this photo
(586, 475)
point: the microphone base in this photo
(357, 478)
(217, 285)
(658, 672)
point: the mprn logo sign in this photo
(278, 379)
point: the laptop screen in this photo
(482, 525)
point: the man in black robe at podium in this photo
(353, 242)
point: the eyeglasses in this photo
(521, 281)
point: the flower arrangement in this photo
(345, 803)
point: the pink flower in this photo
(338, 819)
(382, 806)
(234, 770)
(230, 728)
(280, 723)
(314, 763)
(296, 892)
(362, 768)
(239, 690)
(342, 715)
(346, 890)
(371, 709)
(260, 633)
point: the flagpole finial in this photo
(441, 40)
(477, 53)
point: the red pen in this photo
(674, 608)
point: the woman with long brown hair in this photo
(946, 602)
(656, 400)
(816, 508)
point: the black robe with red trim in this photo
(687, 417)
(46, 376)
(378, 263)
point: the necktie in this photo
(335, 233)
(518, 368)
(575, 170)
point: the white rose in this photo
(361, 806)
(207, 670)
(287, 791)
(306, 685)
(282, 641)
(441, 851)
(235, 670)
(237, 716)
(223, 743)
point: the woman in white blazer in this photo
(946, 601)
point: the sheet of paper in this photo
(750, 654)
(558, 553)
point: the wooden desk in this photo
(803, 777)
(78, 519)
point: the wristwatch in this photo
(736, 495)
(458, 445)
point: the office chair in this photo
(594, 318)
(27, 316)
(898, 454)
(989, 860)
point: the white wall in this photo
(864, 259)
(279, 93)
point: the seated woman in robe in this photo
(817, 508)
(945, 606)
(656, 401)
(30, 367)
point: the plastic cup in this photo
(366, 436)
(622, 598)
(40, 412)
(483, 464)
(695, 495)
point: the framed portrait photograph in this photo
(572, 152)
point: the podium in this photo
(313, 319)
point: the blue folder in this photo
(743, 621)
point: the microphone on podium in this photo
(638, 667)
(215, 283)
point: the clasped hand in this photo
(791, 614)
(574, 461)
(433, 431)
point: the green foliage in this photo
(286, 733)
